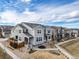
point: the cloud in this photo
(61, 13)
(70, 15)
(43, 14)
(26, 1)
(10, 16)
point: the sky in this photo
(63, 13)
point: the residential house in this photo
(6, 30)
(78, 32)
(75, 32)
(30, 33)
(71, 33)
(58, 33)
(0, 32)
(49, 33)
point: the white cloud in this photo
(26, 1)
(74, 14)
(12, 16)
(8, 16)
(44, 14)
(69, 11)
(71, 16)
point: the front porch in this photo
(19, 44)
(28, 42)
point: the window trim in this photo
(39, 31)
(19, 31)
(48, 31)
(20, 38)
(38, 39)
(25, 30)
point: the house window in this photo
(16, 37)
(19, 31)
(49, 37)
(40, 38)
(25, 30)
(38, 31)
(48, 31)
(37, 39)
(20, 38)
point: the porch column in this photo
(29, 44)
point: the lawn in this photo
(45, 55)
(72, 47)
(4, 55)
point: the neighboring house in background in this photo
(75, 32)
(49, 33)
(58, 33)
(71, 33)
(6, 30)
(30, 33)
(54, 28)
(78, 32)
(0, 32)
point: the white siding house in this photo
(75, 32)
(49, 33)
(39, 35)
(32, 34)
(17, 33)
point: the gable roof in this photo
(33, 25)
(28, 34)
(22, 26)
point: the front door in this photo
(26, 40)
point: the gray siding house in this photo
(30, 33)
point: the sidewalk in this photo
(3, 39)
(68, 55)
(8, 52)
